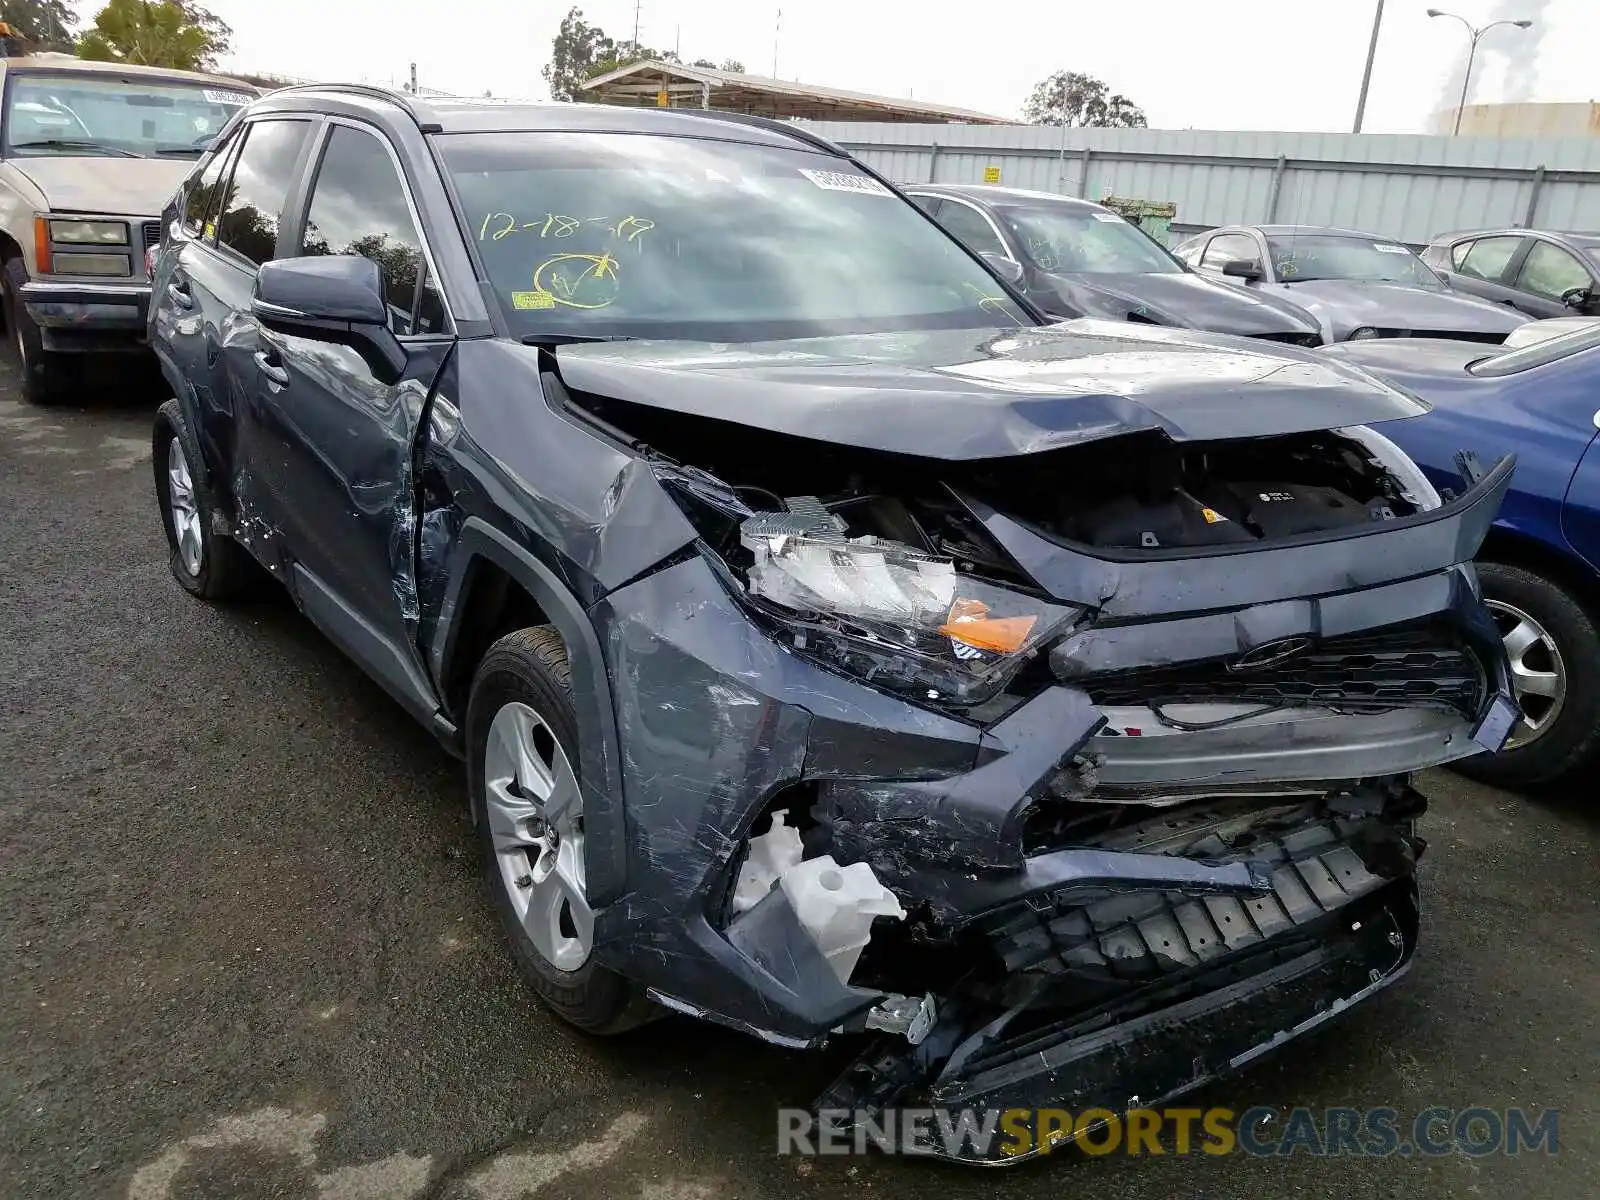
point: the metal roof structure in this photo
(651, 82)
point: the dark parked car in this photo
(834, 647)
(1540, 565)
(1357, 285)
(1541, 273)
(1074, 258)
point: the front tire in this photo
(206, 563)
(522, 755)
(1555, 670)
(43, 375)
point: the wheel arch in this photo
(1560, 566)
(486, 561)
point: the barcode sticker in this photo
(218, 96)
(845, 181)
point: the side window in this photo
(928, 204)
(1227, 247)
(1551, 272)
(969, 225)
(203, 192)
(1487, 257)
(260, 184)
(1190, 252)
(358, 206)
(1458, 254)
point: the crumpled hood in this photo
(135, 187)
(1183, 299)
(973, 394)
(1348, 304)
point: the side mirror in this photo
(335, 298)
(1004, 266)
(1579, 299)
(1242, 268)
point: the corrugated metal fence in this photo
(1405, 187)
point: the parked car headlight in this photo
(889, 614)
(1366, 331)
(89, 233)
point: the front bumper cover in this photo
(86, 317)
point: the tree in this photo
(728, 64)
(156, 33)
(578, 48)
(42, 24)
(1075, 99)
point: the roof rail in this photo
(371, 90)
(799, 133)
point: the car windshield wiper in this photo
(551, 340)
(75, 144)
(184, 151)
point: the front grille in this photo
(1358, 673)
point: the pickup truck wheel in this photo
(522, 755)
(1555, 670)
(42, 374)
(208, 564)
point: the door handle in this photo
(178, 293)
(269, 368)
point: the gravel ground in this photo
(244, 950)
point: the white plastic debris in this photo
(836, 906)
(771, 854)
(908, 1016)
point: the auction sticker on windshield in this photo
(218, 96)
(1386, 248)
(843, 181)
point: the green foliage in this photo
(1074, 99)
(42, 24)
(156, 33)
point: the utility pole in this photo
(1366, 76)
(777, 32)
(636, 4)
(413, 79)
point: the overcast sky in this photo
(1207, 64)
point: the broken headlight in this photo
(886, 613)
(1415, 487)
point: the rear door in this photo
(221, 282)
(211, 284)
(340, 436)
(1486, 266)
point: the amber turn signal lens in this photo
(971, 625)
(41, 246)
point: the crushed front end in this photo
(1096, 764)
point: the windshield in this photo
(1066, 239)
(1297, 257)
(626, 235)
(116, 116)
(1549, 350)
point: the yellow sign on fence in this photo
(991, 174)
(661, 99)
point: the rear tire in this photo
(522, 690)
(208, 564)
(1555, 652)
(46, 379)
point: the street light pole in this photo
(1475, 34)
(1366, 76)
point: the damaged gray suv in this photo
(836, 648)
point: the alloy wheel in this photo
(1538, 672)
(535, 815)
(183, 508)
